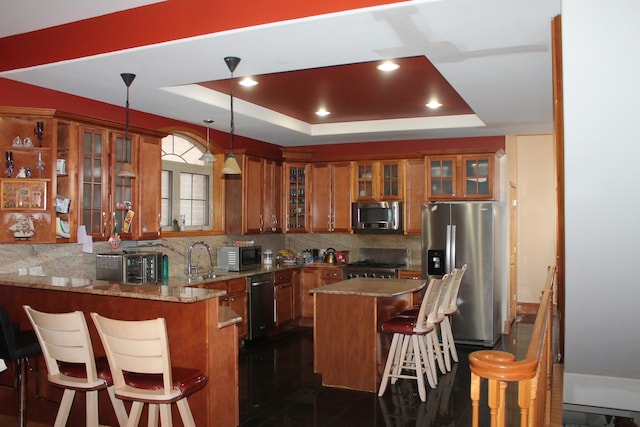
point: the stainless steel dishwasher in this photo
(260, 291)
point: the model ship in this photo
(23, 228)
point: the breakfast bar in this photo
(347, 315)
(202, 335)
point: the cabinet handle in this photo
(159, 223)
(261, 221)
(104, 223)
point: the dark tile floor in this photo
(278, 388)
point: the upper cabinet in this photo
(415, 195)
(330, 197)
(295, 197)
(462, 176)
(260, 185)
(60, 172)
(109, 204)
(378, 180)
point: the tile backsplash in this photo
(68, 260)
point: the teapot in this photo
(330, 256)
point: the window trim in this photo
(216, 201)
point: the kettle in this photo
(330, 256)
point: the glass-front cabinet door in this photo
(477, 175)
(441, 177)
(295, 200)
(106, 197)
(390, 181)
(462, 176)
(378, 180)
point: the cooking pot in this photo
(330, 256)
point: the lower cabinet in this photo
(415, 275)
(283, 297)
(236, 299)
(314, 277)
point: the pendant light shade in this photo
(231, 166)
(207, 157)
(126, 170)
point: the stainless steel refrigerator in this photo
(454, 234)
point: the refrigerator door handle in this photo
(451, 259)
(448, 248)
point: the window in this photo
(187, 186)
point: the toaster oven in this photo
(131, 268)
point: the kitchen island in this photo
(202, 335)
(347, 316)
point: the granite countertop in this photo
(171, 290)
(371, 287)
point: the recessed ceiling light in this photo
(322, 112)
(388, 66)
(434, 104)
(247, 82)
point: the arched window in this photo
(187, 186)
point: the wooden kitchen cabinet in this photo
(104, 198)
(416, 298)
(88, 153)
(415, 195)
(468, 176)
(314, 277)
(330, 197)
(236, 299)
(257, 195)
(378, 180)
(295, 197)
(283, 297)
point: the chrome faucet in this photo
(193, 270)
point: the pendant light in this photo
(207, 157)
(126, 170)
(231, 166)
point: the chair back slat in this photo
(429, 305)
(140, 346)
(64, 337)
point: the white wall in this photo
(601, 60)
(536, 184)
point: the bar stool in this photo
(408, 351)
(68, 353)
(138, 354)
(17, 346)
(450, 307)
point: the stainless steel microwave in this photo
(377, 217)
(130, 267)
(239, 258)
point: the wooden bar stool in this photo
(139, 358)
(17, 346)
(408, 351)
(449, 309)
(68, 353)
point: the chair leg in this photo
(388, 365)
(422, 391)
(165, 415)
(444, 346)
(437, 351)
(134, 414)
(118, 407)
(452, 345)
(428, 362)
(65, 407)
(92, 407)
(21, 388)
(185, 413)
(153, 415)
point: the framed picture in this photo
(23, 194)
